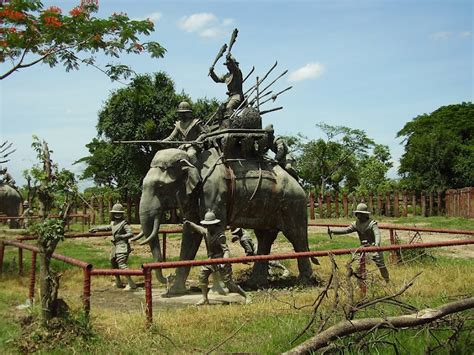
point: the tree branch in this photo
(345, 328)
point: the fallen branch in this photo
(345, 328)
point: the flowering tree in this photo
(30, 34)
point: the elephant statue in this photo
(10, 200)
(253, 193)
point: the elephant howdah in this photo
(254, 193)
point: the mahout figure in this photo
(216, 245)
(121, 233)
(279, 146)
(369, 235)
(7, 178)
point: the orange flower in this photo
(51, 21)
(76, 11)
(53, 9)
(12, 14)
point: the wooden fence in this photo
(452, 203)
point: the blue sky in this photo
(372, 65)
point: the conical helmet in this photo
(184, 107)
(117, 208)
(210, 218)
(362, 208)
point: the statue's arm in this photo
(172, 136)
(127, 235)
(195, 227)
(101, 229)
(340, 231)
(215, 77)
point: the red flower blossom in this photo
(12, 14)
(52, 21)
(138, 46)
(76, 11)
(3, 44)
(53, 9)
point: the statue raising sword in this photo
(233, 79)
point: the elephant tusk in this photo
(147, 240)
(138, 236)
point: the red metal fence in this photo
(89, 271)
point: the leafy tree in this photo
(30, 34)
(145, 110)
(372, 170)
(55, 189)
(327, 163)
(439, 149)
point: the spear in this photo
(274, 97)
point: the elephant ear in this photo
(193, 177)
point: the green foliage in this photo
(342, 161)
(51, 229)
(31, 32)
(439, 149)
(144, 110)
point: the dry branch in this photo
(345, 328)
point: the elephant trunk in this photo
(154, 241)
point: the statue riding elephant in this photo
(10, 200)
(254, 193)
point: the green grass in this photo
(266, 326)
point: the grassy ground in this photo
(268, 325)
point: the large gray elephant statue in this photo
(254, 193)
(10, 200)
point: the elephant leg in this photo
(265, 240)
(298, 237)
(189, 246)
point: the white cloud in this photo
(206, 24)
(227, 21)
(442, 35)
(465, 34)
(211, 32)
(155, 16)
(309, 71)
(196, 22)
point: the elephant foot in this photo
(177, 289)
(309, 280)
(257, 282)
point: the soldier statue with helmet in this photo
(214, 236)
(234, 80)
(187, 128)
(121, 233)
(369, 235)
(279, 146)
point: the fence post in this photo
(393, 241)
(396, 208)
(31, 295)
(311, 206)
(101, 210)
(320, 205)
(328, 205)
(345, 205)
(413, 202)
(439, 210)
(92, 211)
(336, 204)
(423, 204)
(431, 202)
(2, 252)
(379, 204)
(405, 204)
(371, 202)
(86, 292)
(387, 205)
(148, 297)
(20, 261)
